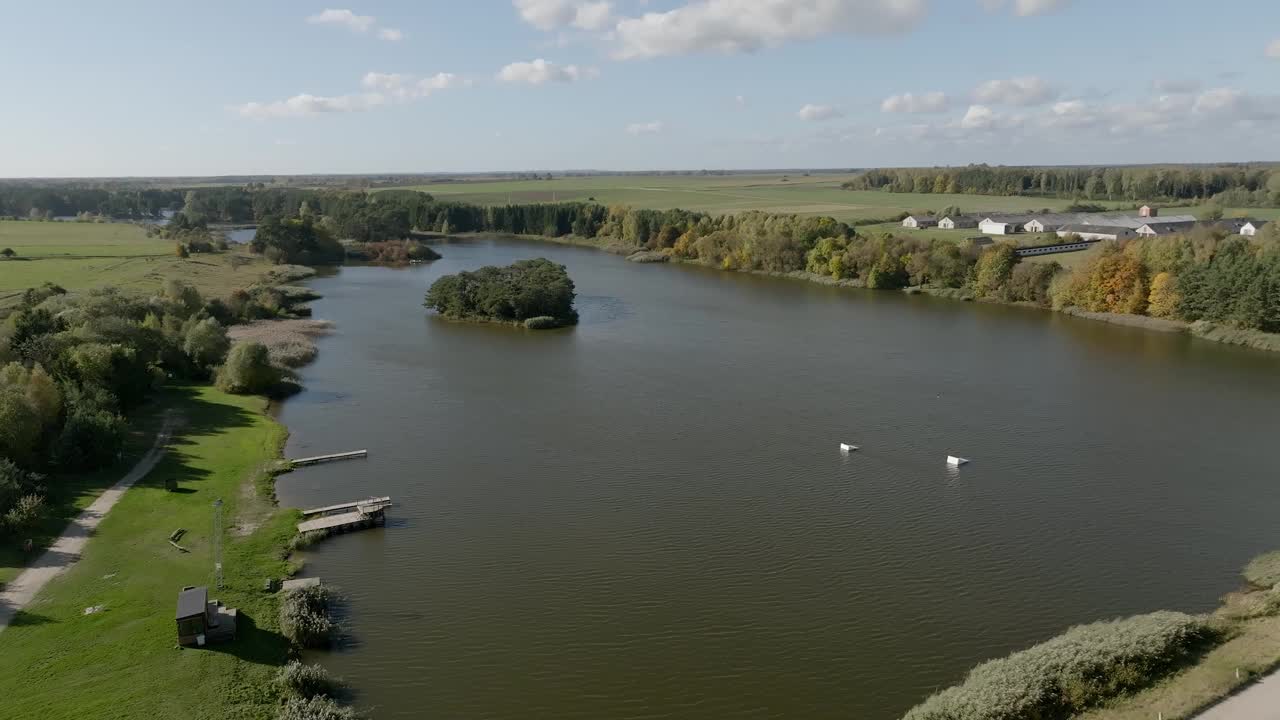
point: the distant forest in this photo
(1228, 185)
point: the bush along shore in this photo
(536, 294)
(1166, 664)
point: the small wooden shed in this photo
(201, 622)
(193, 621)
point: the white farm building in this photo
(919, 222)
(1096, 232)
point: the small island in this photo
(537, 294)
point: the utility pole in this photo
(217, 543)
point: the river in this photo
(648, 515)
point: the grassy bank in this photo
(122, 661)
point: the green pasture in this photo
(80, 256)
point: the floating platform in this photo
(346, 516)
(301, 462)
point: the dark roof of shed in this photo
(193, 602)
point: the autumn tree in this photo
(1163, 300)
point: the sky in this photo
(142, 88)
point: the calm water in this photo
(648, 516)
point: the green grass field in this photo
(123, 662)
(79, 256)
(801, 194)
(805, 195)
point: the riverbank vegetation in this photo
(536, 293)
(1084, 667)
(1163, 664)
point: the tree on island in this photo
(538, 293)
(8, 253)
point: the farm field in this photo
(804, 195)
(79, 256)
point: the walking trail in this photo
(1260, 701)
(67, 548)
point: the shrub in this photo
(90, 439)
(305, 681)
(248, 370)
(1264, 570)
(1074, 671)
(304, 617)
(24, 513)
(316, 708)
(206, 343)
(542, 322)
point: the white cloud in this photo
(1220, 100)
(979, 117)
(400, 86)
(305, 104)
(1015, 91)
(357, 23)
(740, 101)
(646, 128)
(593, 15)
(1273, 50)
(381, 88)
(539, 72)
(729, 26)
(817, 113)
(1025, 8)
(556, 14)
(931, 102)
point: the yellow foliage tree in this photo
(1164, 297)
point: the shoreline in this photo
(1203, 330)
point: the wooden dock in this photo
(346, 516)
(300, 462)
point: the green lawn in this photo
(79, 256)
(123, 662)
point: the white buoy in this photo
(954, 461)
(846, 447)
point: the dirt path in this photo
(1259, 701)
(67, 548)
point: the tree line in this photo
(1231, 185)
(1204, 275)
(47, 201)
(73, 367)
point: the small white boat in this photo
(846, 447)
(954, 461)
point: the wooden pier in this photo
(300, 462)
(346, 516)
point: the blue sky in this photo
(236, 87)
